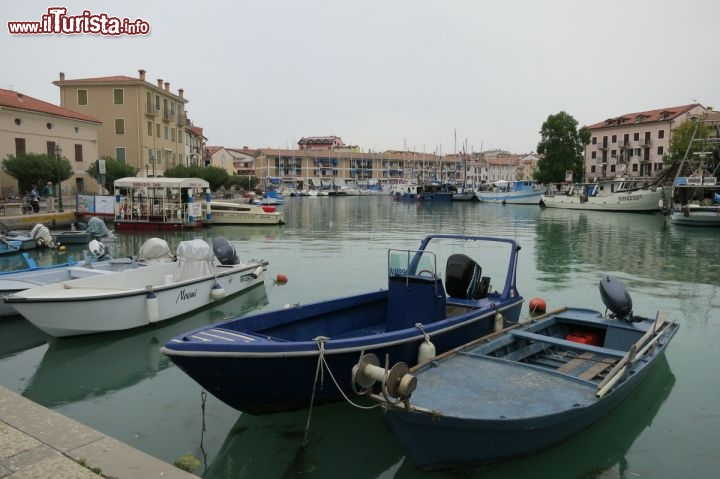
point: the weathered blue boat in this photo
(269, 362)
(525, 388)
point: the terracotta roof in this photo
(213, 149)
(19, 101)
(643, 117)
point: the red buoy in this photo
(537, 306)
(281, 279)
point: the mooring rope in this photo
(319, 372)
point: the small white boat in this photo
(96, 262)
(520, 192)
(229, 213)
(138, 297)
(618, 194)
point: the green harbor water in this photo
(121, 385)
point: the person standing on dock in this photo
(49, 193)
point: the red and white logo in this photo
(58, 22)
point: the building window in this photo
(613, 153)
(157, 130)
(50, 148)
(119, 126)
(172, 134)
(612, 168)
(180, 136)
(120, 153)
(638, 152)
(149, 128)
(636, 136)
(661, 133)
(118, 96)
(660, 150)
(594, 140)
(82, 97)
(166, 133)
(614, 139)
(593, 155)
(635, 167)
(592, 169)
(78, 153)
(19, 146)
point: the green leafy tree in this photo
(114, 170)
(562, 145)
(36, 169)
(216, 177)
(681, 137)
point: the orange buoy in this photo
(281, 279)
(537, 306)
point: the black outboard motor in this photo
(616, 298)
(224, 251)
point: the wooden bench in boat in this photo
(594, 364)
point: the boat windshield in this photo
(403, 263)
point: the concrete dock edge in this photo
(38, 442)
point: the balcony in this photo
(181, 119)
(150, 110)
(168, 115)
(602, 146)
(646, 143)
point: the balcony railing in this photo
(150, 110)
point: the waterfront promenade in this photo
(38, 442)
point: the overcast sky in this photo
(388, 74)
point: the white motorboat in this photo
(138, 297)
(617, 194)
(519, 192)
(230, 213)
(96, 262)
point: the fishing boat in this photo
(268, 362)
(694, 199)
(97, 261)
(160, 203)
(617, 194)
(202, 275)
(230, 213)
(523, 389)
(519, 192)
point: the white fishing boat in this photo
(519, 192)
(138, 297)
(96, 262)
(694, 199)
(230, 213)
(617, 194)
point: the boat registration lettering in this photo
(185, 295)
(398, 272)
(630, 198)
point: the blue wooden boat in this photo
(265, 363)
(525, 388)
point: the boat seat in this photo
(463, 278)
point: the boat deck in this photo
(491, 388)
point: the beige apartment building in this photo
(30, 125)
(634, 144)
(143, 124)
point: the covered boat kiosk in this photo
(161, 203)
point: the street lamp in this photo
(58, 193)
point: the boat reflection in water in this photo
(18, 335)
(83, 367)
(343, 438)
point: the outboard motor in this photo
(616, 298)
(41, 234)
(98, 250)
(224, 251)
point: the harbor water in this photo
(121, 385)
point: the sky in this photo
(426, 76)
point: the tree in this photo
(36, 169)
(114, 170)
(215, 176)
(681, 138)
(562, 146)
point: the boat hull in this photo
(265, 382)
(510, 198)
(635, 201)
(120, 302)
(695, 216)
